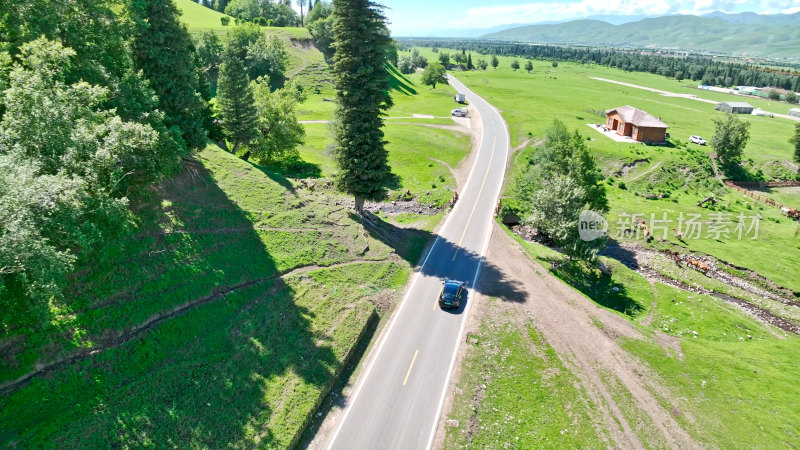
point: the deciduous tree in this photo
(560, 181)
(66, 165)
(267, 56)
(529, 66)
(279, 131)
(433, 75)
(515, 64)
(795, 141)
(495, 62)
(730, 138)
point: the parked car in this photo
(697, 140)
(453, 293)
(459, 112)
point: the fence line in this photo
(791, 212)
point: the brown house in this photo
(640, 126)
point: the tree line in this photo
(275, 13)
(698, 68)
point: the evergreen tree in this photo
(495, 62)
(163, 51)
(235, 102)
(469, 62)
(529, 66)
(361, 40)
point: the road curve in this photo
(397, 401)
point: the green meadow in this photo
(734, 381)
(681, 173)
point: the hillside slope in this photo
(676, 32)
(196, 16)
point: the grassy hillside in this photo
(221, 321)
(693, 33)
(198, 17)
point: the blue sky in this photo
(424, 17)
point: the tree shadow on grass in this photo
(211, 374)
(276, 174)
(398, 82)
(737, 172)
(599, 287)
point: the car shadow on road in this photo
(405, 242)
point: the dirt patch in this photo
(649, 171)
(627, 167)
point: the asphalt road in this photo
(397, 401)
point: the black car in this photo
(453, 293)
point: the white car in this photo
(697, 140)
(459, 112)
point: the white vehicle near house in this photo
(460, 112)
(697, 140)
(460, 98)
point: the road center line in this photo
(477, 198)
(410, 367)
(436, 302)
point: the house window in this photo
(621, 126)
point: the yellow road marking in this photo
(410, 367)
(436, 302)
(477, 199)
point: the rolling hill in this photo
(196, 16)
(691, 33)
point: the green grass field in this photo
(530, 102)
(511, 398)
(199, 18)
(739, 390)
(419, 154)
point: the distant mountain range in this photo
(744, 34)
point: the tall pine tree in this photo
(164, 52)
(235, 102)
(361, 40)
